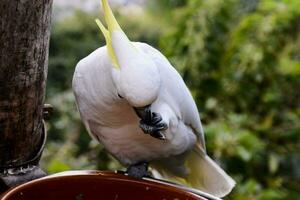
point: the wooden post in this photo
(24, 41)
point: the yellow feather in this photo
(110, 50)
(110, 18)
(112, 23)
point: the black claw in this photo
(161, 126)
(152, 128)
(151, 122)
(144, 113)
(146, 128)
(155, 118)
(154, 131)
(159, 135)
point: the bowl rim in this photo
(104, 175)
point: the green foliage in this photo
(243, 66)
(241, 60)
(71, 39)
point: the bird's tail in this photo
(203, 174)
(206, 175)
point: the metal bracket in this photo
(12, 175)
(48, 110)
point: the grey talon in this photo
(146, 128)
(158, 135)
(156, 118)
(162, 126)
(144, 113)
(151, 122)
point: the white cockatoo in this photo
(133, 101)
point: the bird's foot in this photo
(155, 130)
(138, 170)
(151, 123)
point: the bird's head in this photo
(135, 75)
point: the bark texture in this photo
(24, 40)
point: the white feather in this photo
(113, 122)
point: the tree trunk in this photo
(24, 41)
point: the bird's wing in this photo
(93, 87)
(180, 96)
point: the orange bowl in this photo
(90, 185)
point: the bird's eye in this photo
(120, 96)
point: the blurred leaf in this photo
(57, 166)
(240, 59)
(273, 163)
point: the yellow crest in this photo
(112, 26)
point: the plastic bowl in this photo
(90, 185)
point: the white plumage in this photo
(110, 119)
